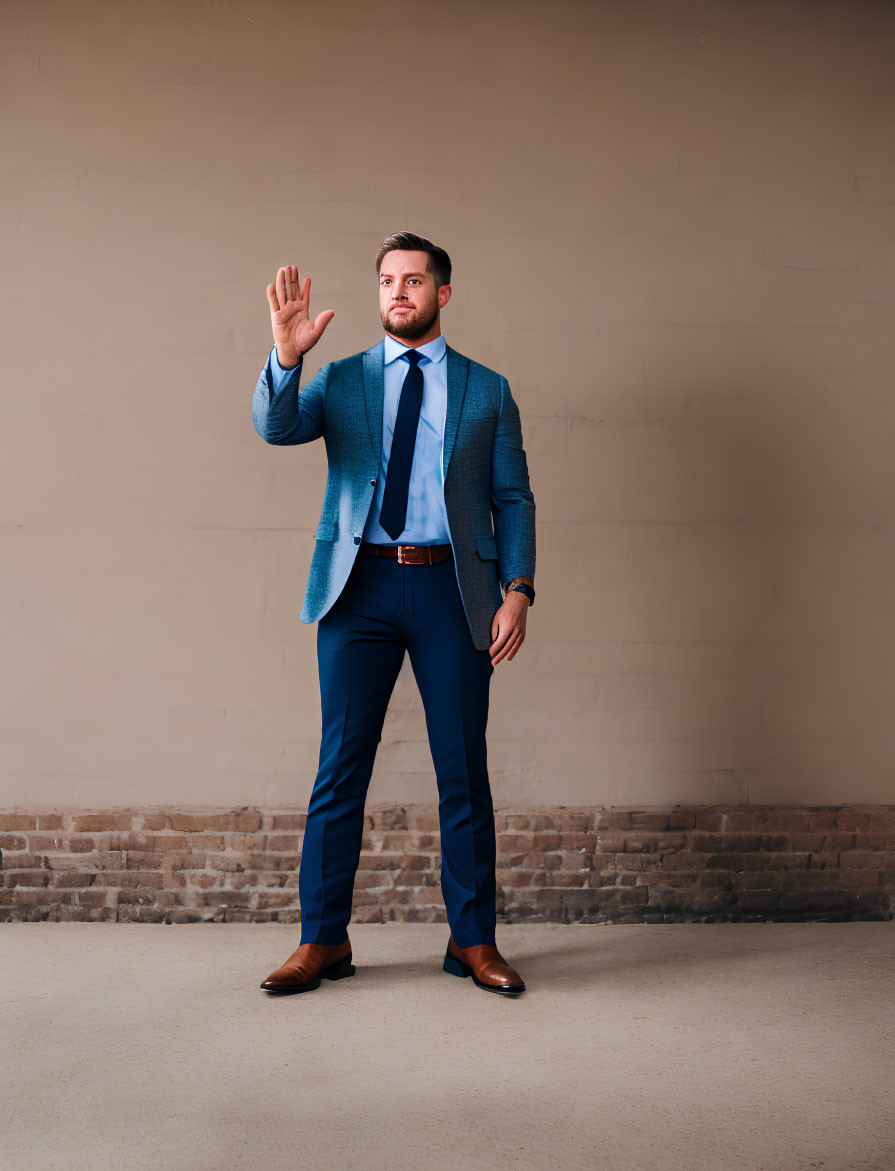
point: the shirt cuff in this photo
(278, 371)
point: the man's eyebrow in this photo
(388, 274)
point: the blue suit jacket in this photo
(484, 464)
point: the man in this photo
(423, 446)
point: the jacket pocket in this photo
(325, 531)
(487, 547)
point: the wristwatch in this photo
(522, 587)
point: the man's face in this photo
(408, 302)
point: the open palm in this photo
(294, 333)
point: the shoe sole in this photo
(457, 967)
(337, 971)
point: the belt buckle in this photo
(402, 555)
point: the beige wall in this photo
(671, 227)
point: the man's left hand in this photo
(508, 626)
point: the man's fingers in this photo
(503, 636)
(281, 288)
(322, 321)
(284, 294)
(509, 647)
(286, 287)
(517, 642)
(505, 643)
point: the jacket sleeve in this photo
(281, 413)
(512, 502)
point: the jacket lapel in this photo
(374, 394)
(457, 371)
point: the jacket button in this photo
(357, 540)
(373, 482)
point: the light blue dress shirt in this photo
(426, 514)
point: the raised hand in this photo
(293, 331)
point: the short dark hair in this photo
(440, 262)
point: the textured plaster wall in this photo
(671, 227)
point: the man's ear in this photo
(444, 295)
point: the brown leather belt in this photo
(408, 554)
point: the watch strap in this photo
(522, 587)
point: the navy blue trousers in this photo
(385, 609)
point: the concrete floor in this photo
(753, 1046)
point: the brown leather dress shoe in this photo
(309, 964)
(488, 968)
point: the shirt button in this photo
(373, 482)
(356, 539)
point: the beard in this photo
(410, 325)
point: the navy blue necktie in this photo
(393, 513)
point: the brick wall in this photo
(555, 863)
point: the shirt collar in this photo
(433, 350)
